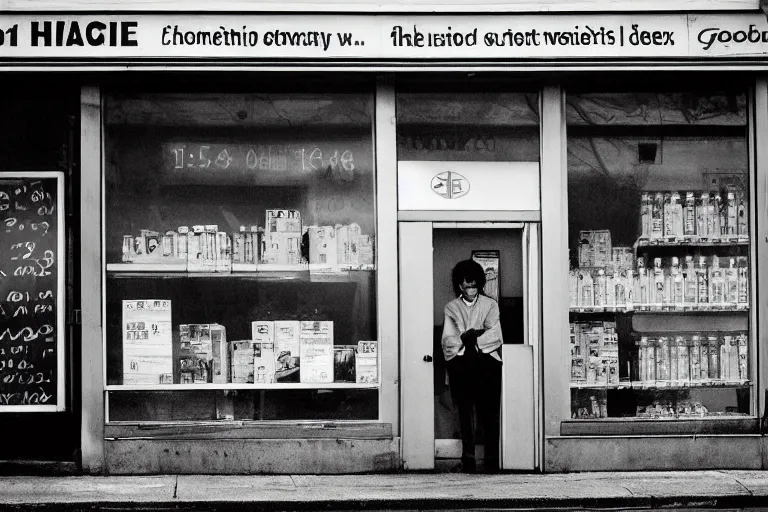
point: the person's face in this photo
(468, 289)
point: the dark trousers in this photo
(476, 382)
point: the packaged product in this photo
(242, 361)
(263, 336)
(367, 362)
(316, 351)
(287, 353)
(595, 248)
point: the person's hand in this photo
(469, 338)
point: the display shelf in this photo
(677, 311)
(295, 274)
(235, 386)
(693, 242)
(666, 385)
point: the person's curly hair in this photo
(468, 270)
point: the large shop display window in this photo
(240, 257)
(659, 223)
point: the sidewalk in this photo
(636, 490)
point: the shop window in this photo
(659, 240)
(240, 257)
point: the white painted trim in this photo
(554, 265)
(759, 235)
(221, 65)
(93, 366)
(468, 216)
(478, 225)
(385, 151)
(214, 387)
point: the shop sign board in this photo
(468, 186)
(395, 37)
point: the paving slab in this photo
(86, 489)
(755, 481)
(682, 483)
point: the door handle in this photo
(427, 358)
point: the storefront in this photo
(257, 214)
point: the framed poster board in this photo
(32, 292)
(489, 260)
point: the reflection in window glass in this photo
(658, 215)
(492, 127)
(239, 240)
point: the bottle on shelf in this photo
(586, 290)
(659, 300)
(663, 360)
(712, 225)
(702, 283)
(657, 216)
(743, 284)
(610, 290)
(629, 290)
(689, 278)
(683, 359)
(732, 283)
(599, 289)
(642, 286)
(677, 293)
(645, 216)
(702, 208)
(742, 213)
(714, 356)
(716, 284)
(721, 216)
(704, 358)
(689, 215)
(573, 289)
(732, 229)
(695, 357)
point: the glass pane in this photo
(658, 192)
(468, 126)
(239, 242)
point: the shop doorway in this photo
(509, 253)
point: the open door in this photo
(428, 252)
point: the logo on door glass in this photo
(450, 185)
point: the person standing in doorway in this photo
(471, 344)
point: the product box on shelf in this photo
(367, 362)
(242, 355)
(323, 249)
(247, 245)
(263, 335)
(344, 363)
(282, 238)
(203, 354)
(208, 249)
(147, 342)
(153, 247)
(316, 351)
(595, 248)
(287, 354)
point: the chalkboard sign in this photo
(31, 292)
